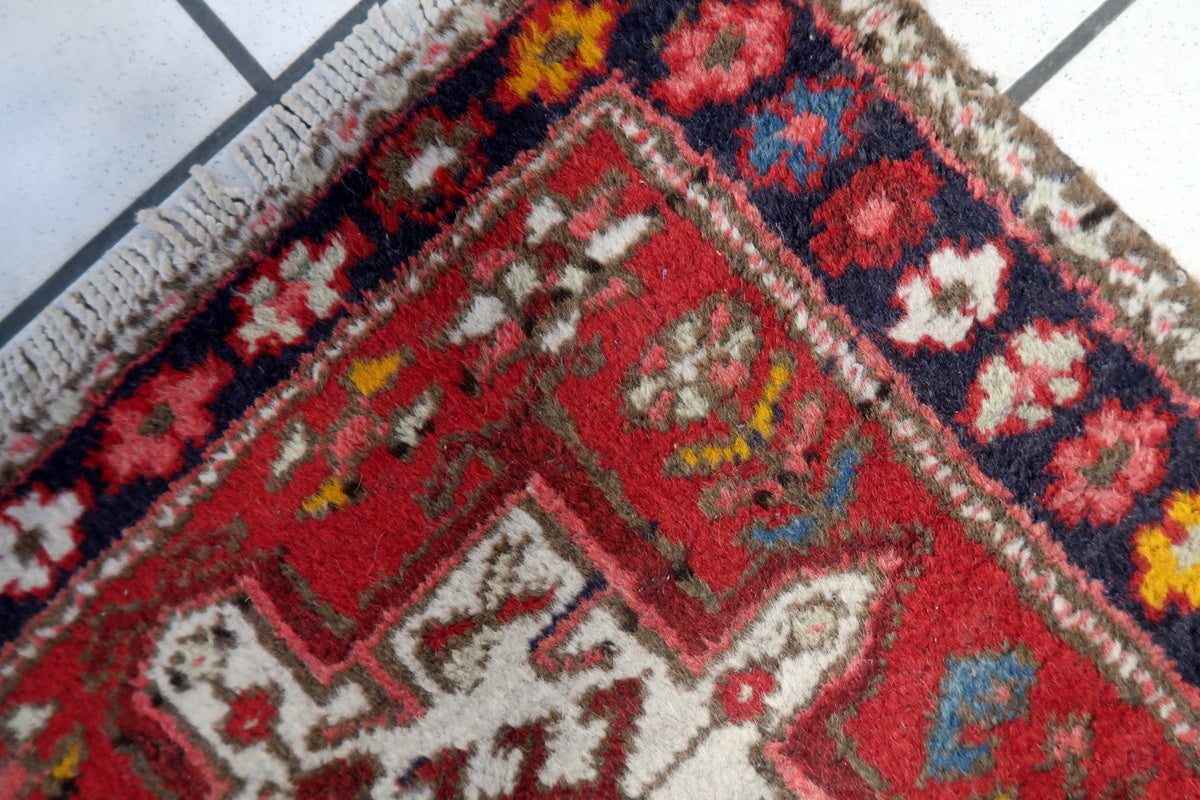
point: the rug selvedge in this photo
(1084, 229)
(701, 568)
(75, 350)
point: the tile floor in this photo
(104, 105)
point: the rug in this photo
(602, 398)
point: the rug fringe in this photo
(144, 283)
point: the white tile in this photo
(97, 100)
(277, 32)
(1007, 37)
(1126, 109)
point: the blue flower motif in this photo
(800, 132)
(838, 493)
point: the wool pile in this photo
(628, 398)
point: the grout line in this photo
(91, 252)
(1037, 77)
(229, 45)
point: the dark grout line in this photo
(229, 45)
(1037, 77)
(122, 223)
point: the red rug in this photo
(674, 400)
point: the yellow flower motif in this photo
(1171, 564)
(332, 495)
(67, 766)
(370, 375)
(555, 50)
(762, 422)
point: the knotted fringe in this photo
(176, 250)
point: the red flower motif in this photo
(1120, 455)
(146, 433)
(743, 693)
(723, 53)
(252, 714)
(885, 206)
(424, 169)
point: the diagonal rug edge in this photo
(1083, 228)
(122, 306)
(1065, 599)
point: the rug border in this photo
(1070, 605)
(1081, 226)
(122, 305)
(119, 309)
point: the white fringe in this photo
(192, 239)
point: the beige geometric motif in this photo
(693, 364)
(543, 640)
(307, 279)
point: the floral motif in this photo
(942, 303)
(288, 294)
(743, 693)
(789, 139)
(1042, 367)
(1068, 744)
(1121, 454)
(428, 165)
(1168, 555)
(556, 48)
(1148, 298)
(697, 362)
(252, 716)
(1069, 739)
(147, 432)
(535, 294)
(884, 207)
(37, 534)
(720, 55)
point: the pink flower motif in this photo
(1070, 742)
(720, 55)
(147, 432)
(743, 693)
(1121, 454)
(866, 222)
(252, 714)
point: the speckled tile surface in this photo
(1126, 108)
(1007, 37)
(276, 32)
(97, 100)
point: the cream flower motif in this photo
(1042, 367)
(699, 361)
(43, 536)
(943, 302)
